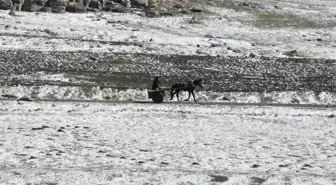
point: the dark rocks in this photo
(5, 4)
(252, 55)
(32, 157)
(152, 13)
(331, 116)
(10, 96)
(75, 8)
(197, 10)
(25, 98)
(40, 128)
(178, 6)
(57, 6)
(33, 5)
(164, 163)
(195, 163)
(60, 130)
(319, 39)
(283, 165)
(236, 51)
(224, 98)
(141, 162)
(307, 166)
(95, 4)
(255, 166)
(215, 45)
(142, 150)
(139, 3)
(292, 53)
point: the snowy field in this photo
(103, 143)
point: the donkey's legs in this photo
(193, 96)
(177, 95)
(188, 97)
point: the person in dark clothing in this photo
(156, 84)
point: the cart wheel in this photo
(158, 97)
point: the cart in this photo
(157, 95)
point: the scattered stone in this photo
(255, 166)
(253, 44)
(199, 52)
(292, 53)
(25, 98)
(60, 130)
(85, 127)
(48, 154)
(110, 155)
(43, 127)
(307, 166)
(198, 45)
(331, 116)
(50, 32)
(141, 150)
(178, 6)
(152, 13)
(236, 51)
(319, 39)
(102, 151)
(164, 163)
(245, 4)
(252, 55)
(283, 165)
(7, 26)
(196, 10)
(195, 163)
(219, 178)
(122, 157)
(277, 7)
(32, 157)
(225, 98)
(215, 45)
(141, 162)
(150, 40)
(76, 126)
(38, 128)
(229, 48)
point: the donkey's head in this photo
(198, 82)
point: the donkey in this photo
(188, 86)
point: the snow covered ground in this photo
(99, 143)
(269, 30)
(54, 92)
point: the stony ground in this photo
(230, 74)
